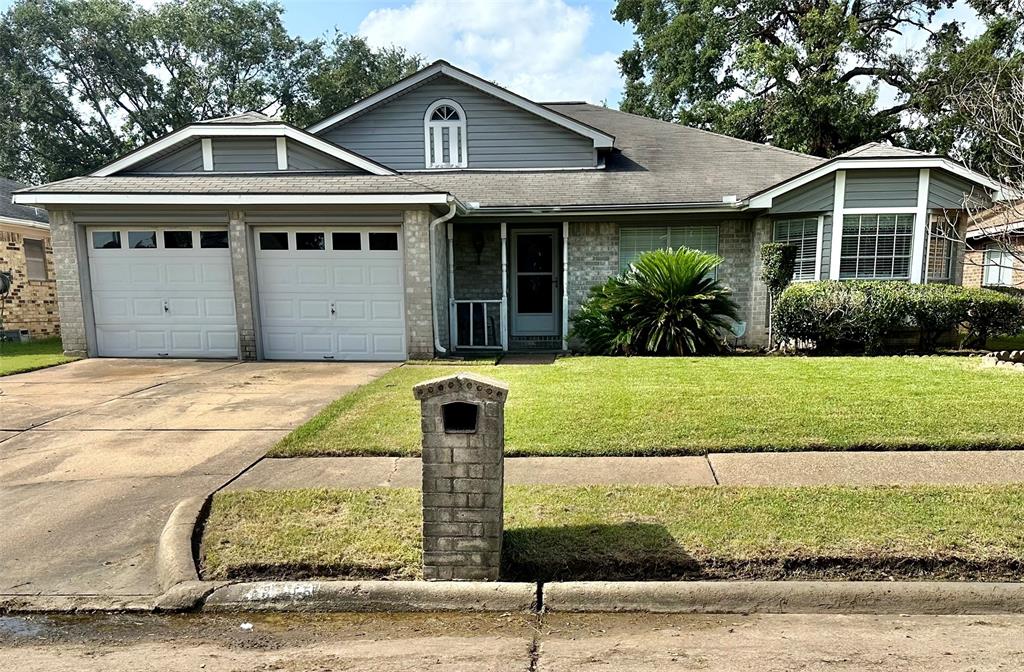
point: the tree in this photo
(84, 81)
(806, 74)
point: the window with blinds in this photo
(635, 240)
(35, 259)
(876, 247)
(803, 233)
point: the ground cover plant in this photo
(678, 406)
(636, 532)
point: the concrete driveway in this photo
(94, 455)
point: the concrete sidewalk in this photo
(805, 468)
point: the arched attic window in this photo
(444, 135)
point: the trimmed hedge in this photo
(860, 315)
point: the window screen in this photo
(876, 246)
(634, 241)
(35, 259)
(804, 234)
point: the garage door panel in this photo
(163, 302)
(298, 289)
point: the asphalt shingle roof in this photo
(238, 184)
(877, 150)
(9, 209)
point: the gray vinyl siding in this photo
(272, 217)
(816, 196)
(949, 192)
(303, 158)
(155, 216)
(187, 159)
(826, 246)
(498, 134)
(873, 188)
(242, 155)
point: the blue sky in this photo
(542, 49)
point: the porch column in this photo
(241, 280)
(419, 313)
(68, 248)
(504, 286)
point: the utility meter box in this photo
(463, 422)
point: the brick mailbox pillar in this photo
(463, 423)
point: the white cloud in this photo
(536, 48)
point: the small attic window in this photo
(444, 135)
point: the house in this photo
(995, 248)
(30, 308)
(445, 214)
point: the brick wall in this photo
(477, 273)
(973, 271)
(64, 240)
(238, 237)
(419, 311)
(32, 304)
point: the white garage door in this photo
(162, 292)
(331, 293)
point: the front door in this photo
(535, 283)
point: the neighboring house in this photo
(995, 249)
(25, 253)
(447, 214)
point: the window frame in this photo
(1000, 268)
(877, 214)
(939, 229)
(39, 261)
(818, 226)
(435, 130)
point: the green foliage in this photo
(667, 303)
(85, 81)
(860, 315)
(808, 74)
(778, 263)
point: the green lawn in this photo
(1006, 343)
(21, 357)
(649, 532)
(646, 406)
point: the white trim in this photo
(601, 140)
(765, 199)
(545, 169)
(24, 223)
(820, 243)
(565, 285)
(230, 199)
(918, 269)
(207, 145)
(504, 287)
(436, 129)
(881, 211)
(208, 131)
(838, 212)
(282, 153)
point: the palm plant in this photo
(667, 303)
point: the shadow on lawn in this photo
(594, 552)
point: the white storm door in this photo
(333, 293)
(162, 292)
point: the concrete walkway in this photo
(808, 468)
(94, 455)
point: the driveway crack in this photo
(391, 474)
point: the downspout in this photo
(433, 268)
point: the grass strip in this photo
(37, 354)
(636, 532)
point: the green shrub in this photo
(667, 303)
(778, 264)
(860, 315)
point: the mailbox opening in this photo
(459, 417)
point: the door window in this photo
(273, 240)
(383, 241)
(178, 240)
(142, 239)
(309, 241)
(213, 240)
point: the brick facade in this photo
(241, 262)
(419, 310)
(64, 239)
(31, 304)
(974, 260)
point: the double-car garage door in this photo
(332, 293)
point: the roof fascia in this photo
(601, 139)
(766, 198)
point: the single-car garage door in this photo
(331, 293)
(162, 292)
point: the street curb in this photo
(785, 597)
(176, 571)
(398, 596)
(72, 604)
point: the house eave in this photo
(605, 209)
(228, 199)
